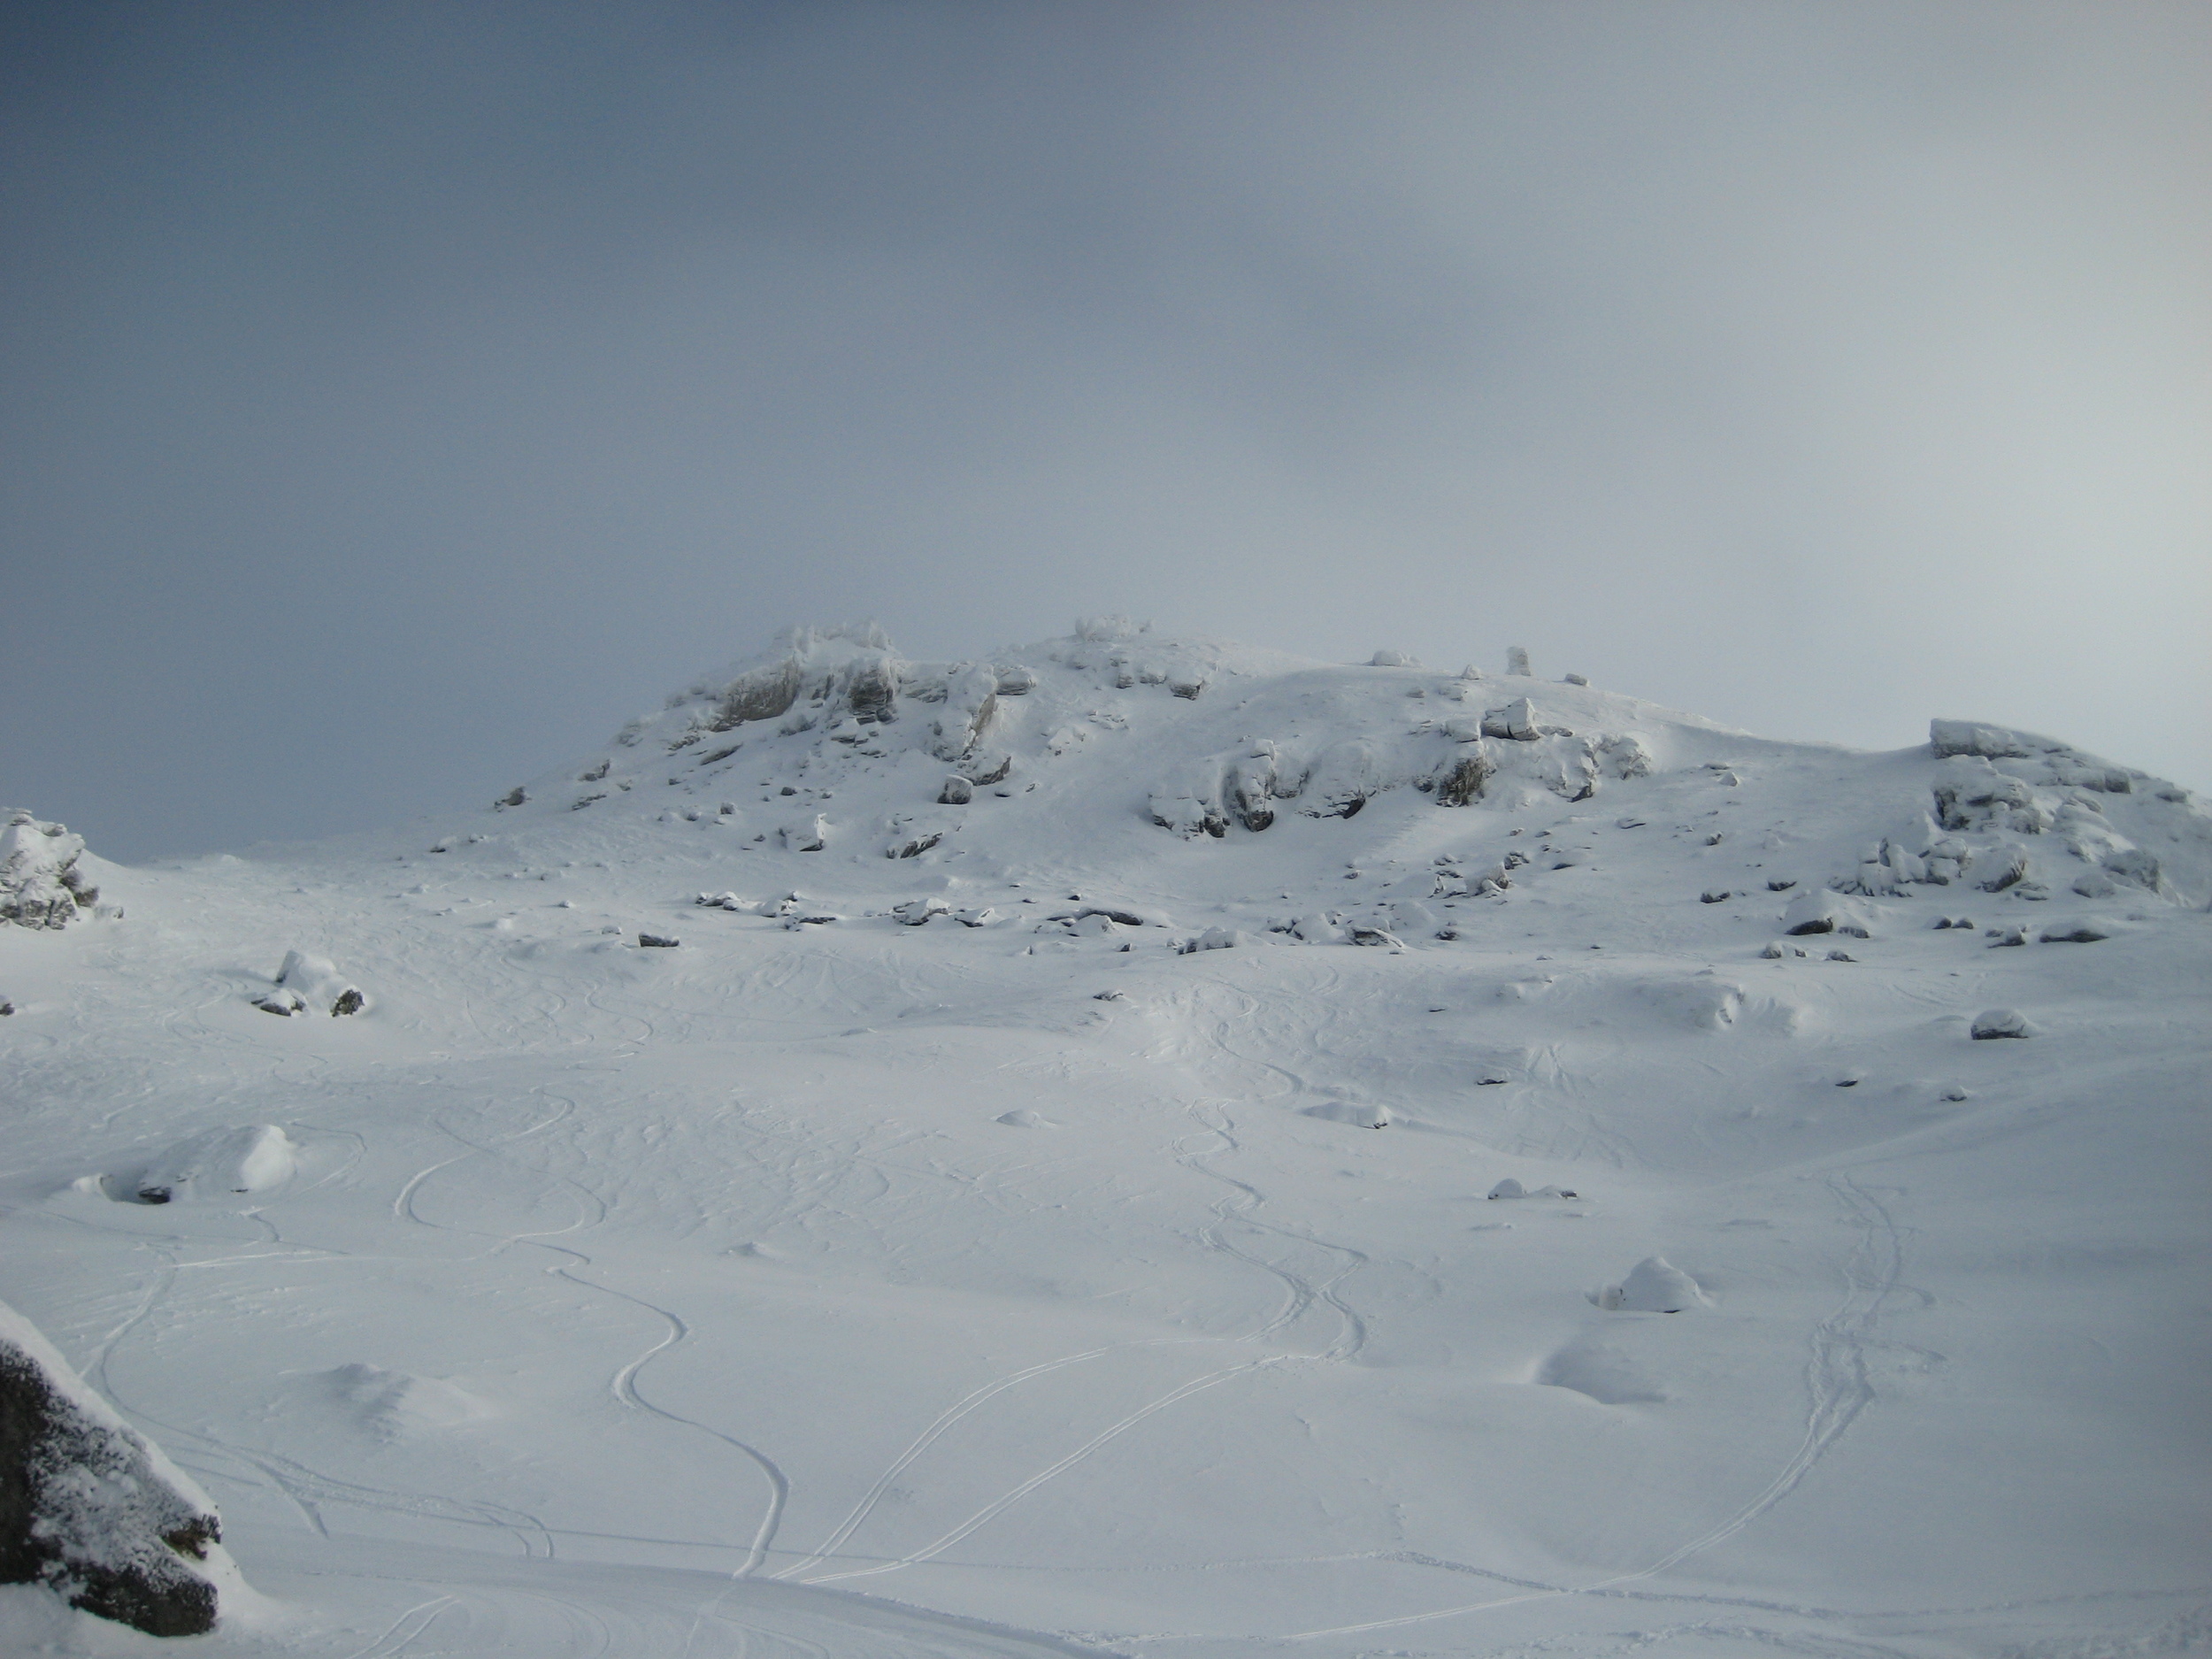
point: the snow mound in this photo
(1653, 1286)
(41, 883)
(1701, 1000)
(1602, 1372)
(1511, 1188)
(218, 1166)
(395, 1404)
(1996, 1022)
(91, 1509)
(1345, 1111)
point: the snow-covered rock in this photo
(1654, 1285)
(41, 884)
(316, 984)
(1822, 911)
(91, 1509)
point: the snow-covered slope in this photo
(884, 1158)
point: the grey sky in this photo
(399, 396)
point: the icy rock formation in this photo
(89, 1508)
(40, 883)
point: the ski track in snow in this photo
(1836, 1386)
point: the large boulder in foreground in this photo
(89, 1508)
(40, 883)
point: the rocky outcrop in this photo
(1996, 743)
(1462, 783)
(91, 1511)
(41, 885)
(765, 694)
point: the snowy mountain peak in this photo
(1091, 756)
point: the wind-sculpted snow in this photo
(1142, 1146)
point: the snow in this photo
(933, 1255)
(217, 1164)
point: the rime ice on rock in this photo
(89, 1508)
(1517, 661)
(41, 885)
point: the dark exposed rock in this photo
(1462, 785)
(515, 796)
(874, 691)
(996, 774)
(656, 941)
(87, 1508)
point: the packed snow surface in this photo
(1006, 1157)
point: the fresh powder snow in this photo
(1146, 1146)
